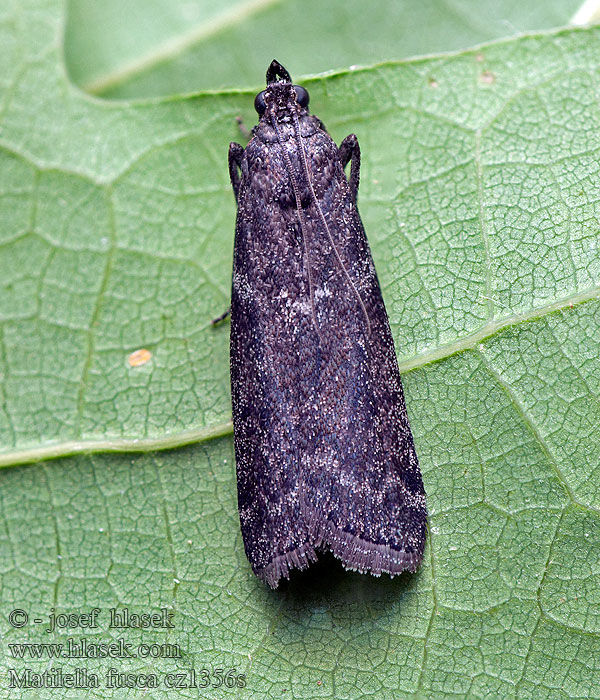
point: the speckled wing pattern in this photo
(324, 452)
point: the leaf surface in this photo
(479, 192)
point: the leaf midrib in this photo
(165, 442)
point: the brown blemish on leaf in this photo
(433, 83)
(139, 357)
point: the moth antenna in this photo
(323, 220)
(296, 189)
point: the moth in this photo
(324, 453)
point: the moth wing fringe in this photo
(281, 565)
(357, 554)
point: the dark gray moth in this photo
(324, 452)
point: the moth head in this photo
(280, 96)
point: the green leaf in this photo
(122, 50)
(479, 191)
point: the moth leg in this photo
(349, 150)
(236, 153)
(222, 317)
(235, 163)
(245, 131)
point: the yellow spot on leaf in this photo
(139, 357)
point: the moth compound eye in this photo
(259, 103)
(301, 96)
